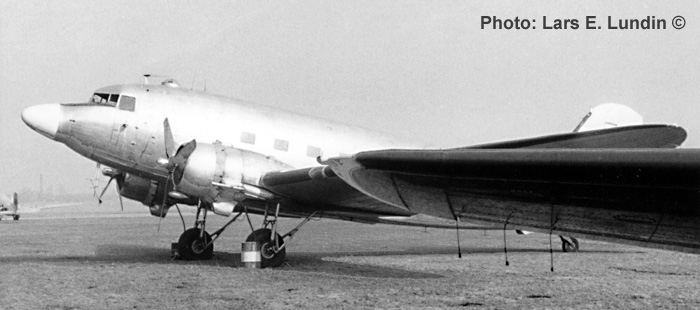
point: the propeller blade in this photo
(99, 199)
(165, 198)
(177, 163)
(169, 140)
(184, 228)
(161, 218)
(119, 193)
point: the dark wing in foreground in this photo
(319, 189)
(647, 197)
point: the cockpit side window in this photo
(127, 103)
(113, 99)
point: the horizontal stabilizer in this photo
(639, 136)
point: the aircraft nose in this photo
(43, 118)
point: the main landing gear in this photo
(272, 252)
(273, 246)
(569, 246)
(196, 244)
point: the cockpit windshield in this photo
(127, 103)
(105, 99)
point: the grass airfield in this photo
(97, 257)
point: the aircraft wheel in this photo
(569, 246)
(15, 217)
(268, 258)
(191, 247)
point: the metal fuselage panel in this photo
(112, 137)
(133, 141)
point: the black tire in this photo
(15, 217)
(267, 258)
(569, 246)
(191, 247)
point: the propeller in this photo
(169, 145)
(174, 162)
(175, 157)
(113, 174)
(169, 140)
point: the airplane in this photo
(168, 146)
(8, 206)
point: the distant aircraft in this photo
(8, 206)
(165, 145)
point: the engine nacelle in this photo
(213, 173)
(148, 192)
(139, 189)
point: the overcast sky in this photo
(421, 69)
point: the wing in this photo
(319, 189)
(647, 197)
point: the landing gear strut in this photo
(196, 243)
(569, 246)
(273, 249)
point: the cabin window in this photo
(247, 137)
(313, 151)
(281, 145)
(113, 99)
(127, 103)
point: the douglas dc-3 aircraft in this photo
(165, 145)
(8, 206)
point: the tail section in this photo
(609, 115)
(608, 125)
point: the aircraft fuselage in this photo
(129, 136)
(122, 127)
